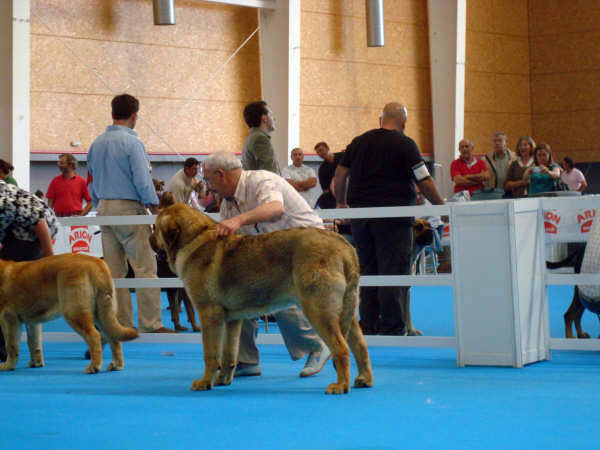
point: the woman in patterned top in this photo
(27, 226)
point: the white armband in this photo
(420, 171)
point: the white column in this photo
(280, 71)
(447, 37)
(14, 87)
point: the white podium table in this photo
(501, 312)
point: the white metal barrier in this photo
(514, 233)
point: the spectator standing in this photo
(326, 173)
(258, 201)
(572, 177)
(544, 174)
(181, 184)
(6, 169)
(498, 160)
(27, 226)
(258, 152)
(67, 190)
(383, 164)
(122, 186)
(467, 171)
(301, 177)
(515, 186)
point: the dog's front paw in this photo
(335, 388)
(92, 369)
(34, 364)
(6, 367)
(201, 385)
(114, 366)
(414, 333)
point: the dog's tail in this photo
(107, 316)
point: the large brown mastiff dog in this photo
(240, 277)
(77, 286)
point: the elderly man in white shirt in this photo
(254, 202)
(301, 177)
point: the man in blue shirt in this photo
(122, 186)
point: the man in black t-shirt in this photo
(383, 164)
(326, 172)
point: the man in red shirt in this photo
(468, 172)
(68, 189)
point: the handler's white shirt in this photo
(180, 185)
(591, 260)
(301, 173)
(257, 187)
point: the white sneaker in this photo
(315, 362)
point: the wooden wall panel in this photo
(497, 72)
(345, 84)
(164, 67)
(565, 74)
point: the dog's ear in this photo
(418, 226)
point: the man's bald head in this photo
(394, 116)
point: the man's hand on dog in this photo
(228, 227)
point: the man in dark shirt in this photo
(258, 152)
(326, 172)
(383, 164)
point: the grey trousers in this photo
(131, 242)
(299, 336)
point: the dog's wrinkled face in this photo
(165, 234)
(176, 226)
(422, 232)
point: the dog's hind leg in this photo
(358, 345)
(34, 342)
(573, 315)
(11, 327)
(83, 323)
(189, 309)
(173, 296)
(577, 321)
(326, 323)
(231, 345)
(118, 362)
(212, 318)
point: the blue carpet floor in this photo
(420, 400)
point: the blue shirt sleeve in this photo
(140, 174)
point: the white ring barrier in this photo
(486, 213)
